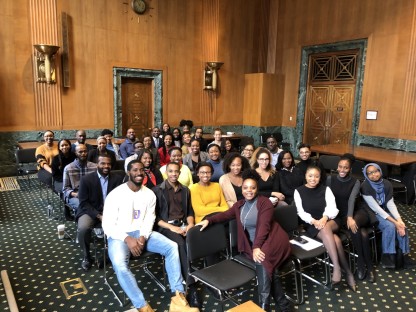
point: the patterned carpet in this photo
(37, 262)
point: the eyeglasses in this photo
(248, 150)
(372, 172)
(205, 172)
(263, 159)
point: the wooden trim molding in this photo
(44, 30)
(408, 126)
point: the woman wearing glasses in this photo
(378, 194)
(269, 183)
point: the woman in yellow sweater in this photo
(206, 196)
(44, 155)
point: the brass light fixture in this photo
(45, 62)
(210, 75)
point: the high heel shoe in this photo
(351, 282)
(372, 276)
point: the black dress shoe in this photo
(408, 263)
(372, 276)
(361, 274)
(193, 298)
(86, 264)
(388, 261)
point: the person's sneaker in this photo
(388, 261)
(86, 264)
(146, 308)
(408, 263)
(99, 232)
(179, 304)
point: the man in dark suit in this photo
(157, 141)
(93, 190)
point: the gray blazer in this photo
(187, 160)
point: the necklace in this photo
(243, 221)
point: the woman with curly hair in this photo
(269, 183)
(233, 165)
(259, 238)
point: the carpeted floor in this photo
(37, 262)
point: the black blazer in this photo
(90, 194)
(160, 140)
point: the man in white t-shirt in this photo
(128, 218)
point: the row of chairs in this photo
(330, 163)
(229, 276)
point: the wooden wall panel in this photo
(389, 25)
(44, 30)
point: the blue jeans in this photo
(389, 237)
(119, 255)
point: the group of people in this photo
(173, 186)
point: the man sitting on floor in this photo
(73, 174)
(128, 219)
(93, 190)
(174, 217)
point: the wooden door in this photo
(330, 98)
(137, 108)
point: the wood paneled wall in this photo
(389, 78)
(264, 36)
(177, 36)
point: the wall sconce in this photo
(45, 62)
(210, 75)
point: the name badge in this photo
(136, 214)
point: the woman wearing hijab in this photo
(378, 194)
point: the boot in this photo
(408, 263)
(146, 308)
(179, 304)
(279, 295)
(388, 261)
(263, 287)
(192, 297)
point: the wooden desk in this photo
(366, 153)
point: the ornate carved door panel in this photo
(137, 112)
(330, 98)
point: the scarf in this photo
(378, 186)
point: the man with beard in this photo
(128, 219)
(274, 149)
(73, 174)
(81, 136)
(93, 190)
(127, 147)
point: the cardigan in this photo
(270, 237)
(228, 190)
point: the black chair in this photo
(285, 269)
(26, 162)
(357, 170)
(303, 259)
(330, 162)
(119, 165)
(146, 258)
(223, 276)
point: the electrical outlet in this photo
(290, 118)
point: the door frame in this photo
(157, 81)
(361, 45)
